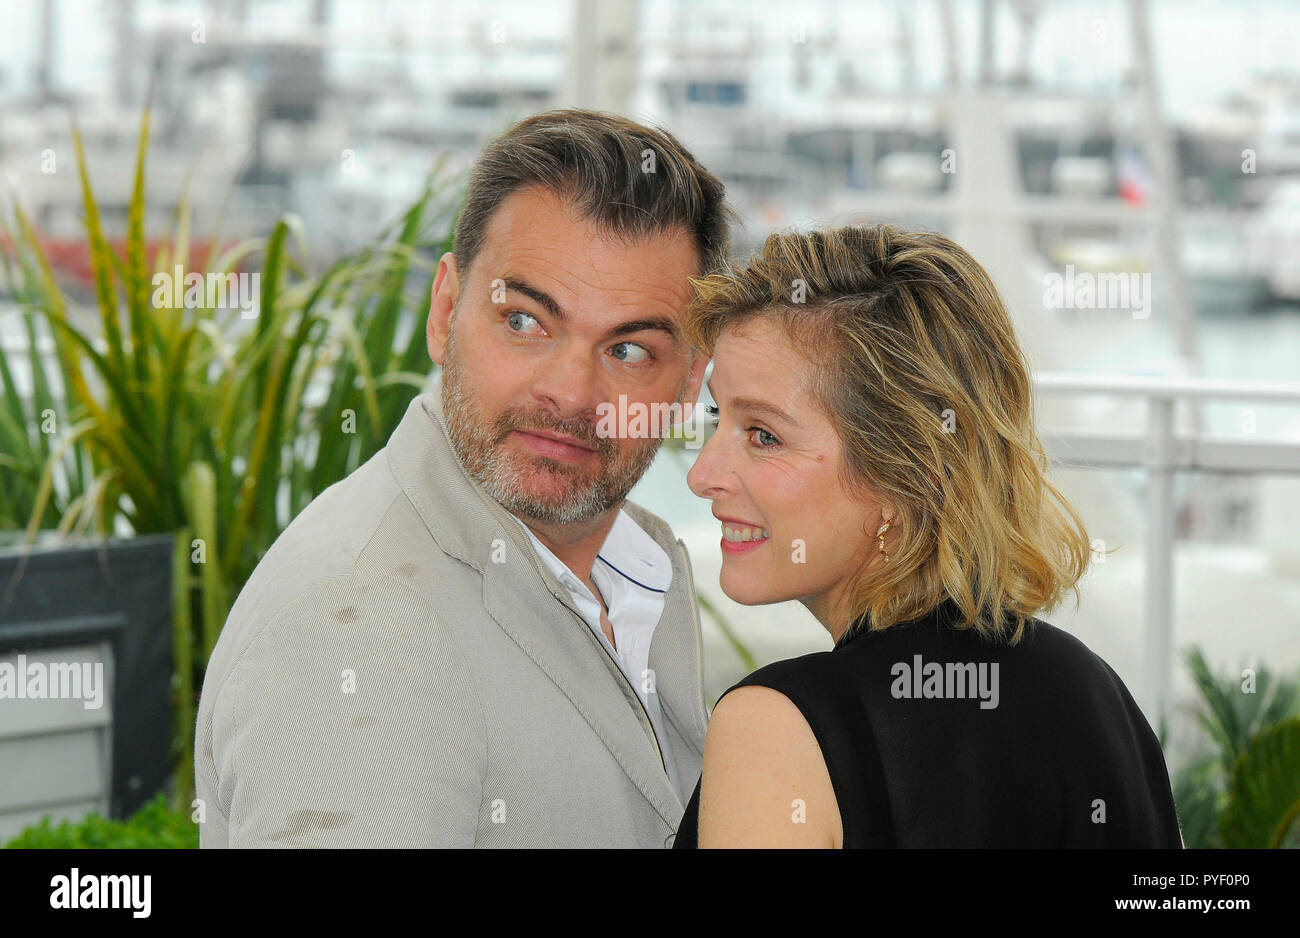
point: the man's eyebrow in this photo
(539, 296)
(640, 325)
(754, 406)
(660, 323)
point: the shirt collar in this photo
(636, 555)
(627, 550)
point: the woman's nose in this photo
(706, 478)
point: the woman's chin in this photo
(748, 591)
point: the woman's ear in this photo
(888, 510)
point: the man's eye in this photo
(517, 319)
(767, 443)
(632, 358)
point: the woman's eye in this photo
(516, 317)
(632, 358)
(762, 434)
(712, 413)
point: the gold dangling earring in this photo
(881, 535)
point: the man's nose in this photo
(569, 383)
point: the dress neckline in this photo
(946, 611)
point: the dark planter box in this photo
(73, 604)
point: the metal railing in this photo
(1161, 451)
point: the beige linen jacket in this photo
(403, 670)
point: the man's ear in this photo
(446, 290)
(694, 381)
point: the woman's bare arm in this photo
(765, 782)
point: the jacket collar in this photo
(469, 525)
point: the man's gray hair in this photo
(634, 181)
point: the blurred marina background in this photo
(1049, 138)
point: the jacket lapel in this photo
(676, 657)
(572, 657)
(520, 594)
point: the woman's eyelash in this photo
(712, 411)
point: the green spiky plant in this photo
(185, 419)
(1263, 807)
(1236, 786)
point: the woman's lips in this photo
(744, 536)
(741, 547)
(554, 449)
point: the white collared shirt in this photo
(632, 573)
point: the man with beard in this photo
(475, 639)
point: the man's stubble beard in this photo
(479, 444)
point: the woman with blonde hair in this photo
(875, 458)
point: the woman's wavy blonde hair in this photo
(916, 363)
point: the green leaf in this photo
(1264, 795)
(154, 826)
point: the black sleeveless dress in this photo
(936, 737)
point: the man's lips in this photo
(554, 445)
(567, 440)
